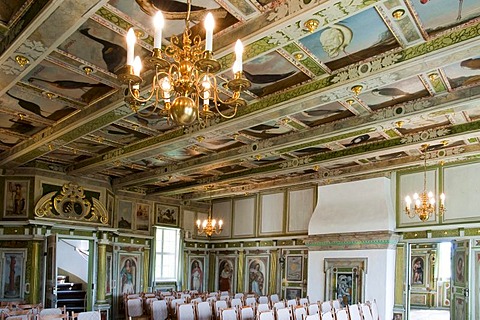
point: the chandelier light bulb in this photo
(204, 224)
(137, 66)
(430, 194)
(417, 203)
(237, 65)
(209, 25)
(199, 223)
(442, 198)
(408, 201)
(158, 23)
(220, 224)
(415, 196)
(131, 39)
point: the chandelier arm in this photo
(137, 96)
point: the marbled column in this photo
(185, 272)
(146, 269)
(35, 274)
(273, 272)
(101, 272)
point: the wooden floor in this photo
(429, 315)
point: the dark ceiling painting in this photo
(339, 90)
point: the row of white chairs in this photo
(48, 314)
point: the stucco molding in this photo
(353, 241)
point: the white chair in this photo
(148, 304)
(374, 309)
(239, 295)
(186, 296)
(224, 293)
(284, 314)
(185, 311)
(88, 315)
(247, 313)
(204, 310)
(336, 304)
(266, 315)
(328, 316)
(366, 312)
(274, 298)
(315, 316)
(229, 314)
(159, 310)
(304, 301)
(49, 311)
(226, 298)
(173, 306)
(299, 312)
(313, 308)
(326, 306)
(211, 300)
(262, 299)
(354, 312)
(279, 305)
(292, 303)
(341, 314)
(134, 307)
(220, 304)
(236, 303)
(196, 300)
(251, 301)
(263, 307)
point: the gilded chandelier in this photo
(424, 203)
(184, 85)
(209, 226)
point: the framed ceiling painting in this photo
(166, 214)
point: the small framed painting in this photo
(16, 198)
(125, 213)
(419, 270)
(166, 214)
(142, 217)
(294, 268)
(293, 293)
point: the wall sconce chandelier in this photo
(209, 226)
(184, 76)
(424, 203)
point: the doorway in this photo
(70, 273)
(429, 279)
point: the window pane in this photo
(166, 258)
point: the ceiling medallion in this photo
(22, 61)
(311, 24)
(184, 84)
(433, 76)
(399, 124)
(88, 70)
(357, 89)
(398, 14)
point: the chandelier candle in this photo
(131, 39)
(158, 22)
(209, 25)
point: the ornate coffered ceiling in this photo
(340, 90)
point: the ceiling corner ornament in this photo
(70, 203)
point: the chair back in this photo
(226, 298)
(354, 312)
(366, 313)
(236, 303)
(220, 304)
(247, 313)
(134, 307)
(326, 306)
(87, 315)
(224, 293)
(159, 310)
(279, 305)
(185, 311)
(299, 312)
(262, 299)
(304, 301)
(204, 311)
(328, 316)
(196, 300)
(313, 308)
(274, 298)
(374, 309)
(292, 303)
(211, 299)
(341, 314)
(315, 316)
(239, 295)
(284, 314)
(250, 301)
(266, 315)
(263, 307)
(336, 304)
(229, 314)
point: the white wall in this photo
(70, 260)
(359, 206)
(379, 279)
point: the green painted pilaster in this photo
(35, 275)
(146, 269)
(211, 272)
(399, 278)
(101, 272)
(185, 272)
(273, 272)
(241, 262)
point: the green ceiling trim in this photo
(243, 6)
(438, 85)
(392, 133)
(309, 63)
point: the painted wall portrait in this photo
(418, 270)
(128, 276)
(196, 274)
(257, 275)
(459, 267)
(344, 288)
(142, 217)
(125, 212)
(226, 271)
(16, 199)
(13, 265)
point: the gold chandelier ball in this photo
(183, 110)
